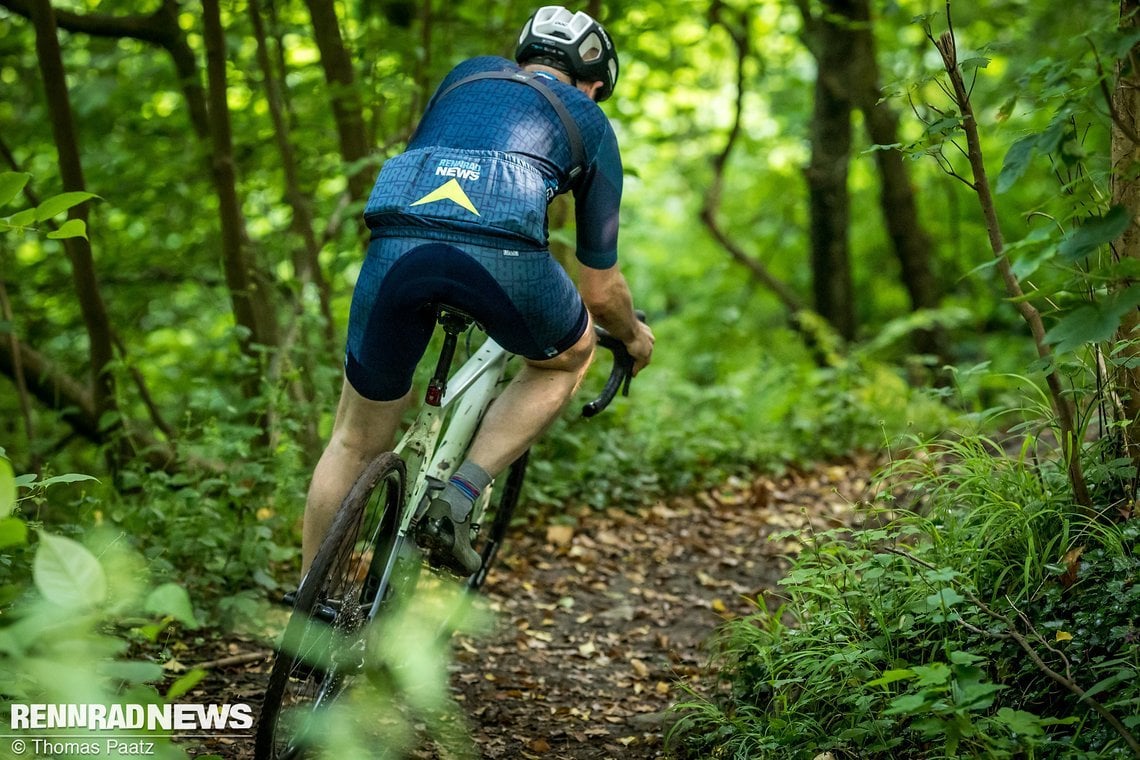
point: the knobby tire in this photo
(324, 640)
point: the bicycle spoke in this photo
(323, 647)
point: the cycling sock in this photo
(463, 488)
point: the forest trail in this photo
(598, 625)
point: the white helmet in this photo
(574, 42)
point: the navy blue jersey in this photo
(488, 157)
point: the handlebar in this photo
(620, 375)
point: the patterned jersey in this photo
(488, 157)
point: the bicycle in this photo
(369, 557)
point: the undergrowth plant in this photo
(71, 613)
(979, 625)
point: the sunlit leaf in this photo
(59, 203)
(72, 228)
(185, 683)
(890, 676)
(21, 218)
(173, 600)
(11, 183)
(67, 573)
(7, 488)
(13, 532)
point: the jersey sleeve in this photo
(597, 200)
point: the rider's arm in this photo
(606, 294)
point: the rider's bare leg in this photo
(363, 429)
(529, 405)
(518, 417)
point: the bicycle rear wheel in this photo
(508, 499)
(324, 641)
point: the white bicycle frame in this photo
(432, 451)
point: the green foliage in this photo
(895, 641)
(731, 387)
(62, 600)
(11, 183)
(402, 698)
(702, 412)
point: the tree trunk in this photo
(78, 249)
(826, 175)
(346, 103)
(842, 41)
(1126, 193)
(253, 309)
(897, 198)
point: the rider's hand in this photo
(641, 347)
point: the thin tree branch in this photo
(144, 391)
(1124, 127)
(1062, 405)
(18, 377)
(708, 213)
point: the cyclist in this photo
(460, 218)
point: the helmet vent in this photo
(591, 49)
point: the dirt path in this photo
(598, 626)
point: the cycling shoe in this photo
(448, 541)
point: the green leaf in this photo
(131, 671)
(185, 683)
(70, 477)
(965, 658)
(1093, 323)
(1094, 233)
(890, 676)
(67, 574)
(7, 488)
(1119, 43)
(1124, 674)
(21, 219)
(977, 696)
(59, 203)
(72, 228)
(1016, 162)
(935, 674)
(171, 599)
(945, 124)
(13, 532)
(11, 183)
(908, 704)
(1020, 722)
(946, 597)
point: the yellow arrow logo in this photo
(449, 191)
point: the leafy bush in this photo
(913, 639)
(71, 611)
(701, 413)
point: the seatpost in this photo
(453, 325)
